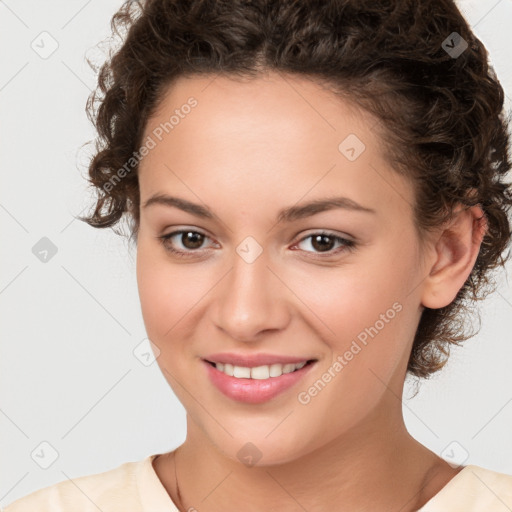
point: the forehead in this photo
(289, 106)
(276, 134)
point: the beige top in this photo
(135, 487)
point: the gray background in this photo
(69, 375)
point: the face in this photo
(335, 284)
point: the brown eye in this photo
(192, 239)
(325, 244)
(184, 243)
(322, 242)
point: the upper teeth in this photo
(258, 372)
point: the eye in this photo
(324, 241)
(190, 240)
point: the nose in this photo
(251, 300)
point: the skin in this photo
(247, 150)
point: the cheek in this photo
(169, 293)
(159, 288)
(349, 298)
(364, 310)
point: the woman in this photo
(315, 191)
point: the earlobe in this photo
(455, 253)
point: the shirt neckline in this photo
(152, 493)
(446, 490)
(154, 496)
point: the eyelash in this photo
(347, 245)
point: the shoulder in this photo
(474, 489)
(110, 490)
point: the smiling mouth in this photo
(257, 384)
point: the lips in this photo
(253, 391)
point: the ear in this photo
(454, 256)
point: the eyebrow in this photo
(289, 214)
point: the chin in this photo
(262, 449)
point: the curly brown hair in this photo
(437, 99)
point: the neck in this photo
(376, 465)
